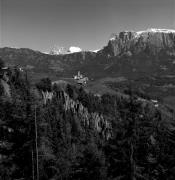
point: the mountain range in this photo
(62, 50)
(149, 44)
(145, 59)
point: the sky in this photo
(88, 24)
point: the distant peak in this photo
(62, 50)
(56, 50)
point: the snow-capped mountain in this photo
(56, 50)
(124, 50)
(140, 33)
(72, 49)
(151, 41)
(155, 30)
(62, 50)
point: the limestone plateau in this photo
(152, 40)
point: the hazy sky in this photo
(40, 24)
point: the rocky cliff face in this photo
(151, 41)
(95, 120)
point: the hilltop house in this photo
(80, 78)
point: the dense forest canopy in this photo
(76, 135)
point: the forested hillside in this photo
(51, 132)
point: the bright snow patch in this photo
(46, 52)
(74, 49)
(96, 50)
(14, 47)
(157, 30)
(153, 30)
(112, 39)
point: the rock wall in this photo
(136, 42)
(95, 120)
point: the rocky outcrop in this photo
(151, 41)
(47, 96)
(6, 88)
(95, 120)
